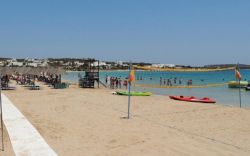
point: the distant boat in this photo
(248, 88)
(235, 84)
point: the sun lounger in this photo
(61, 85)
(34, 87)
(9, 88)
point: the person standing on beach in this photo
(116, 82)
(168, 82)
(108, 81)
(113, 83)
(189, 82)
(120, 83)
(125, 84)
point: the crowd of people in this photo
(116, 82)
(31, 79)
(50, 78)
(170, 82)
(175, 81)
(24, 79)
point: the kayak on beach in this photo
(125, 93)
(193, 99)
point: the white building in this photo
(44, 63)
(119, 63)
(158, 65)
(32, 64)
(1, 64)
(77, 63)
(170, 65)
(67, 64)
(14, 62)
(95, 64)
(163, 65)
(37, 61)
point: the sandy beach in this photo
(92, 122)
(8, 151)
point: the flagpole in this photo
(239, 84)
(240, 93)
(129, 90)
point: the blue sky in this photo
(190, 32)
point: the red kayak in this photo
(193, 99)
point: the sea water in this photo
(222, 94)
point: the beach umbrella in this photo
(21, 70)
(26, 70)
(37, 71)
(59, 71)
(32, 71)
(46, 69)
(52, 70)
(42, 69)
(6, 71)
(13, 69)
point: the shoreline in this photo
(162, 70)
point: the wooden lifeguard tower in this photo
(91, 75)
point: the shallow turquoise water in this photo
(222, 94)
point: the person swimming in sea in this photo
(160, 81)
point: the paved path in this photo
(25, 139)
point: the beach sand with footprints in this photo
(77, 122)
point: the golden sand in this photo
(8, 151)
(92, 122)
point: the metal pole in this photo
(98, 73)
(240, 93)
(238, 69)
(1, 112)
(129, 90)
